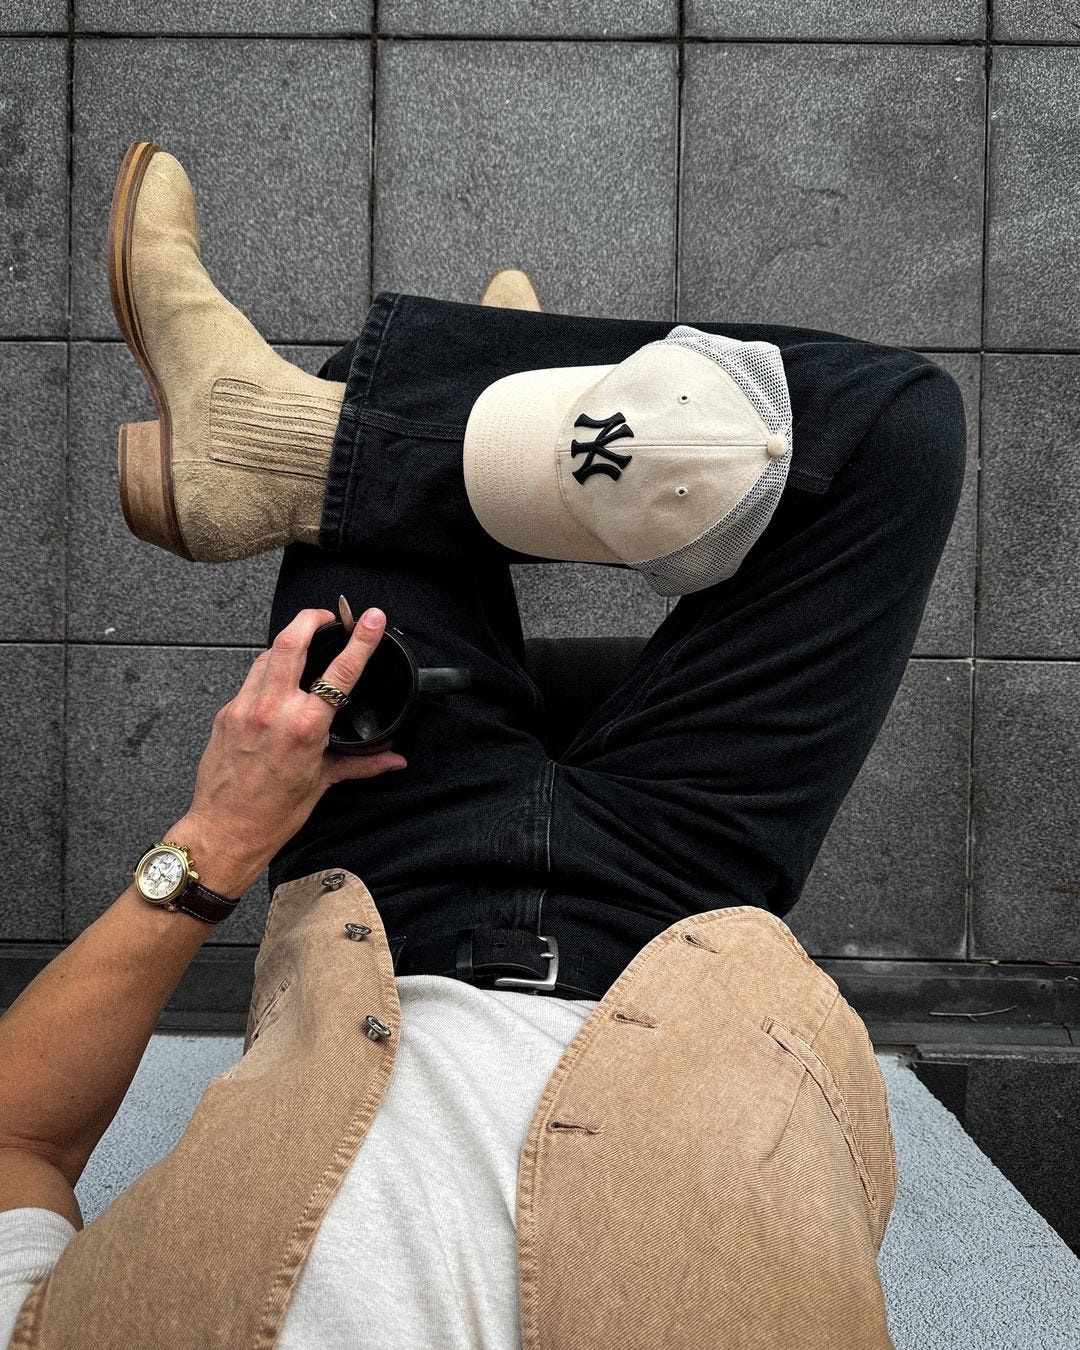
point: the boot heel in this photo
(146, 495)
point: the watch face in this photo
(161, 874)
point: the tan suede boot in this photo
(510, 289)
(236, 463)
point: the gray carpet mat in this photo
(966, 1261)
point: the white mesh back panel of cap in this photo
(758, 369)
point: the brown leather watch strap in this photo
(203, 903)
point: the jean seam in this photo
(409, 426)
(542, 819)
(519, 668)
(553, 769)
(369, 353)
(384, 329)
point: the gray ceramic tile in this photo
(139, 719)
(1022, 1115)
(34, 156)
(31, 791)
(555, 157)
(1027, 848)
(223, 16)
(835, 187)
(1035, 21)
(308, 357)
(849, 19)
(582, 600)
(947, 628)
(1032, 282)
(32, 394)
(120, 588)
(889, 878)
(274, 136)
(524, 18)
(34, 16)
(1029, 604)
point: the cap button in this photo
(777, 446)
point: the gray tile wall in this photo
(907, 175)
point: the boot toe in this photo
(510, 288)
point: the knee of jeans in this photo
(921, 441)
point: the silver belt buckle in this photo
(523, 982)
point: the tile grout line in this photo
(166, 645)
(680, 57)
(680, 68)
(65, 585)
(969, 861)
(335, 344)
(658, 39)
(372, 145)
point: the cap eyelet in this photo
(684, 398)
(680, 492)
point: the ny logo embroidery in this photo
(612, 428)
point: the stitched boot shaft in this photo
(251, 433)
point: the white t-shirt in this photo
(421, 1234)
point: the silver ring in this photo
(329, 693)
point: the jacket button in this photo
(357, 931)
(334, 880)
(374, 1029)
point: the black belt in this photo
(502, 958)
(507, 958)
(568, 960)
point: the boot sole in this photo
(144, 449)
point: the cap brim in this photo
(510, 463)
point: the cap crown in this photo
(663, 447)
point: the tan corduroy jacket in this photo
(711, 1161)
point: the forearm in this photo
(71, 1042)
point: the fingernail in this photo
(371, 618)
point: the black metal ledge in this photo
(997, 1044)
(932, 1007)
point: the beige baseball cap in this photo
(671, 462)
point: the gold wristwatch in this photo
(166, 876)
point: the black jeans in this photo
(711, 775)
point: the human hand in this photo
(266, 763)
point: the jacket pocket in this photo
(822, 1075)
(265, 1015)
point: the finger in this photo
(347, 667)
(289, 652)
(254, 678)
(341, 767)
